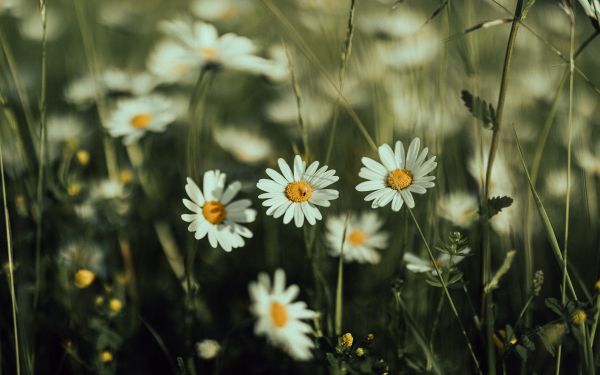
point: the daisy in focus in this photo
(132, 118)
(397, 176)
(203, 47)
(280, 319)
(363, 237)
(216, 214)
(459, 208)
(418, 265)
(296, 195)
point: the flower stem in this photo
(446, 291)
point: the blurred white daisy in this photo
(82, 91)
(205, 48)
(246, 146)
(592, 9)
(220, 10)
(588, 160)
(397, 176)
(140, 83)
(316, 111)
(79, 254)
(171, 62)
(556, 183)
(207, 349)
(6, 6)
(363, 237)
(216, 214)
(31, 24)
(459, 208)
(296, 195)
(133, 117)
(419, 265)
(280, 319)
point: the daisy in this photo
(418, 265)
(207, 349)
(362, 237)
(170, 63)
(82, 91)
(216, 214)
(205, 48)
(459, 208)
(280, 319)
(398, 177)
(592, 10)
(246, 146)
(134, 116)
(137, 83)
(297, 194)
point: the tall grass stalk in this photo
(487, 255)
(307, 51)
(446, 291)
(11, 267)
(41, 164)
(571, 13)
(298, 96)
(339, 297)
(341, 74)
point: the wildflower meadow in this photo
(300, 187)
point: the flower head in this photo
(132, 118)
(459, 208)
(296, 195)
(397, 176)
(280, 319)
(418, 265)
(216, 214)
(207, 349)
(363, 237)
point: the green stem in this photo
(446, 291)
(339, 298)
(11, 267)
(487, 256)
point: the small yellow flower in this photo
(115, 305)
(370, 337)
(99, 300)
(360, 352)
(74, 189)
(579, 317)
(597, 286)
(83, 157)
(84, 278)
(106, 356)
(126, 176)
(346, 340)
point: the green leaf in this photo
(496, 204)
(480, 109)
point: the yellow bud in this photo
(597, 286)
(370, 337)
(347, 340)
(106, 356)
(115, 305)
(360, 352)
(83, 278)
(126, 176)
(99, 300)
(83, 157)
(74, 189)
(579, 317)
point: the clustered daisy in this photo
(398, 176)
(362, 237)
(278, 317)
(296, 194)
(216, 214)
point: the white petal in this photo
(387, 157)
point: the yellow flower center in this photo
(279, 314)
(84, 278)
(357, 238)
(115, 305)
(209, 53)
(106, 356)
(579, 317)
(399, 179)
(298, 191)
(438, 263)
(141, 120)
(214, 212)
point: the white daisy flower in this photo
(82, 91)
(216, 214)
(280, 319)
(246, 146)
(206, 48)
(459, 208)
(133, 117)
(220, 10)
(592, 9)
(171, 62)
(418, 265)
(556, 183)
(398, 177)
(207, 349)
(363, 237)
(140, 83)
(589, 160)
(297, 194)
